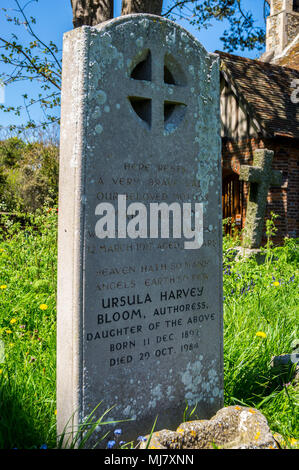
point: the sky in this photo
(54, 18)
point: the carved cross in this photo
(157, 96)
(261, 177)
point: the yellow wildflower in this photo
(43, 306)
(257, 435)
(1, 370)
(1, 250)
(8, 332)
(55, 412)
(12, 321)
(261, 334)
(276, 284)
(3, 286)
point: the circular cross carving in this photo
(157, 95)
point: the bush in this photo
(28, 174)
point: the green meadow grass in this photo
(260, 320)
(27, 379)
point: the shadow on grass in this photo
(254, 384)
(19, 427)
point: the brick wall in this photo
(283, 201)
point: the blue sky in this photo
(54, 17)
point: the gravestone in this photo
(260, 176)
(139, 311)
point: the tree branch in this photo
(34, 35)
(37, 69)
(176, 5)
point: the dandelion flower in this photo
(43, 306)
(276, 284)
(12, 321)
(261, 334)
(8, 332)
(3, 286)
(55, 412)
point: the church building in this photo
(260, 110)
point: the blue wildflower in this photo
(117, 432)
(111, 444)
(141, 438)
(44, 446)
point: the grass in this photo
(258, 298)
(28, 331)
(260, 321)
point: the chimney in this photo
(282, 25)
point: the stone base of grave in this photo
(233, 427)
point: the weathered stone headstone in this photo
(140, 311)
(260, 176)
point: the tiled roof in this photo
(267, 90)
